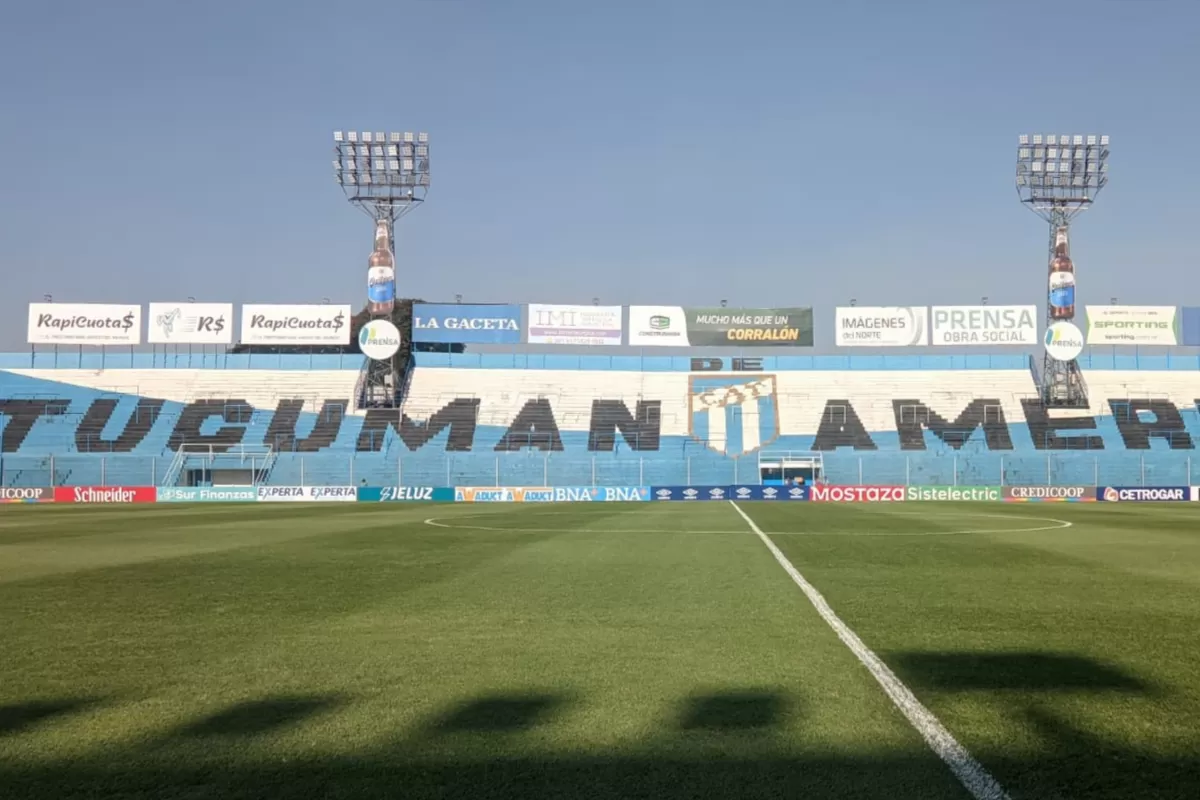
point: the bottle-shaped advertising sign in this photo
(1062, 278)
(381, 274)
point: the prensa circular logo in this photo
(1064, 341)
(379, 339)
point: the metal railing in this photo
(1078, 468)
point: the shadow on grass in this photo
(734, 711)
(668, 763)
(965, 672)
(18, 717)
(499, 713)
(259, 717)
(674, 776)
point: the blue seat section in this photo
(682, 463)
(1097, 359)
(51, 453)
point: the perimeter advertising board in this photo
(1143, 494)
(207, 494)
(858, 494)
(881, 326)
(466, 324)
(25, 494)
(96, 324)
(586, 494)
(190, 323)
(574, 325)
(1050, 494)
(551, 494)
(679, 326)
(296, 324)
(1133, 325)
(105, 494)
(406, 494)
(984, 326)
(756, 492)
(690, 493)
(307, 494)
(693, 494)
(954, 494)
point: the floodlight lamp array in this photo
(1061, 169)
(395, 159)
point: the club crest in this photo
(733, 415)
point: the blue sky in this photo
(638, 151)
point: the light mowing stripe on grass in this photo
(977, 780)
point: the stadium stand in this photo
(464, 424)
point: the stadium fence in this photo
(559, 469)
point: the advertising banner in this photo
(406, 494)
(1189, 334)
(585, 494)
(1196, 494)
(551, 494)
(857, 494)
(94, 324)
(1050, 494)
(690, 492)
(574, 325)
(105, 494)
(990, 494)
(307, 494)
(296, 324)
(466, 324)
(756, 492)
(620, 494)
(1132, 325)
(331, 494)
(882, 326)
(25, 494)
(984, 325)
(678, 326)
(558, 494)
(1143, 494)
(190, 323)
(489, 494)
(207, 494)
(736, 492)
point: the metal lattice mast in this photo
(1058, 176)
(385, 175)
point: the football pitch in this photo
(644, 650)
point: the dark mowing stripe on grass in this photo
(371, 562)
(173, 518)
(267, 531)
(677, 774)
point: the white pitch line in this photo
(977, 780)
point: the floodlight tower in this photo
(386, 175)
(1059, 176)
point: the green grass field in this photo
(651, 650)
